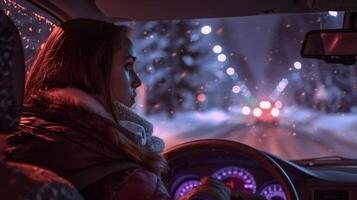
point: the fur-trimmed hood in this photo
(137, 127)
(81, 99)
(67, 129)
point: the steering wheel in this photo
(188, 151)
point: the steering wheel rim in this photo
(255, 155)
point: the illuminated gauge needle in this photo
(230, 184)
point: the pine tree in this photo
(317, 84)
(173, 64)
(285, 51)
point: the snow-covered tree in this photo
(177, 66)
(315, 84)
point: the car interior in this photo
(242, 167)
(20, 180)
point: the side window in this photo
(34, 24)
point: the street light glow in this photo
(230, 71)
(221, 57)
(246, 110)
(282, 85)
(201, 97)
(297, 65)
(206, 29)
(236, 89)
(217, 49)
(333, 13)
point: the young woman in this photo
(77, 119)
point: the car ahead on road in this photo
(209, 52)
(266, 112)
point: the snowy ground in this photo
(343, 125)
(171, 129)
(301, 133)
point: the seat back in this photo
(12, 72)
(18, 180)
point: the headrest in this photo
(12, 75)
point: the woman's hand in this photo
(210, 189)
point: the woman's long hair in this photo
(78, 54)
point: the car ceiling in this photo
(120, 10)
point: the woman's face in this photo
(124, 79)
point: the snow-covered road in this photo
(285, 141)
(300, 134)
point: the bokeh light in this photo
(201, 97)
(297, 65)
(206, 29)
(257, 112)
(221, 57)
(230, 71)
(278, 104)
(236, 89)
(275, 112)
(265, 104)
(333, 13)
(246, 110)
(217, 49)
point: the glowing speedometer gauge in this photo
(185, 187)
(273, 192)
(236, 179)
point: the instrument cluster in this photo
(235, 178)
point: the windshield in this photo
(240, 79)
(243, 79)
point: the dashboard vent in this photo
(330, 195)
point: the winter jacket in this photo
(66, 131)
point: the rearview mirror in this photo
(333, 46)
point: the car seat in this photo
(19, 180)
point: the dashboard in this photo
(244, 174)
(237, 174)
(236, 179)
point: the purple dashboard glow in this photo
(185, 187)
(236, 179)
(273, 192)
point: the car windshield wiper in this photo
(326, 160)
